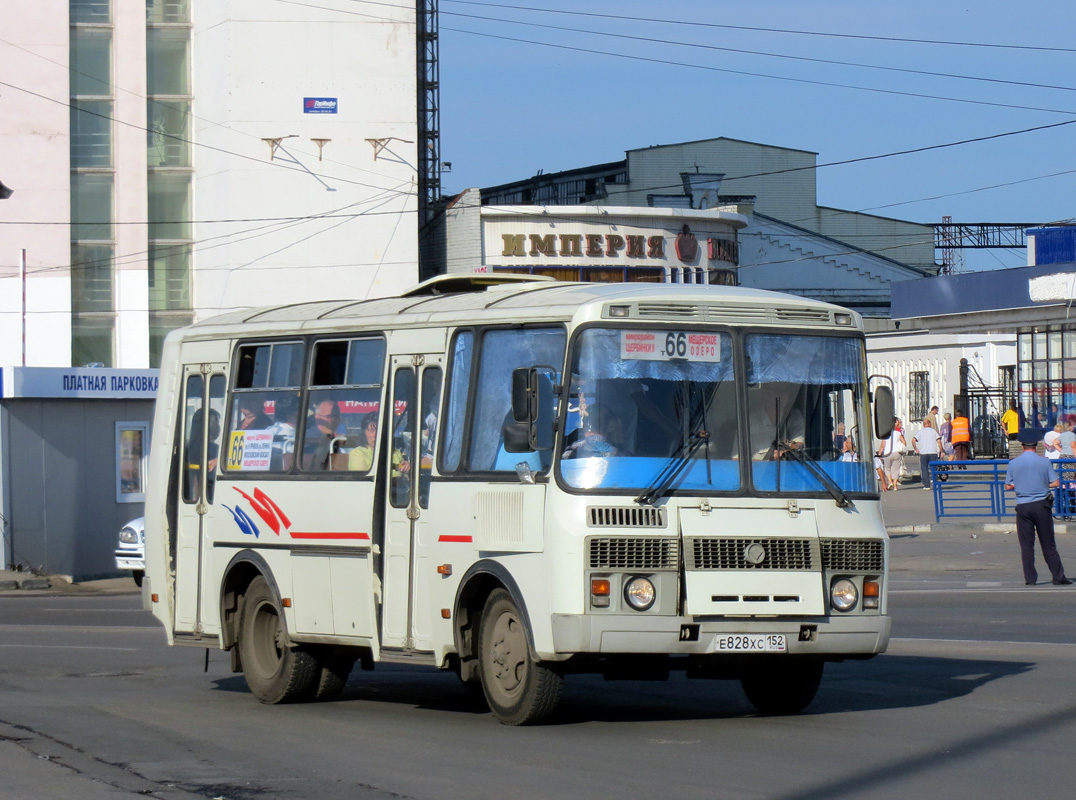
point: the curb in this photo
(25, 583)
(983, 527)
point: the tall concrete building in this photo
(174, 159)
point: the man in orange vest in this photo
(961, 437)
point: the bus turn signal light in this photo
(599, 592)
(444, 569)
(871, 593)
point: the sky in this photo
(529, 85)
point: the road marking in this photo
(985, 642)
(66, 647)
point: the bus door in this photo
(408, 446)
(202, 412)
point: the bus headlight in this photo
(640, 593)
(843, 595)
(128, 535)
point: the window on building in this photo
(91, 206)
(167, 61)
(91, 62)
(165, 12)
(918, 395)
(91, 278)
(91, 133)
(169, 277)
(169, 205)
(92, 341)
(168, 133)
(97, 12)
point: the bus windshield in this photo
(653, 406)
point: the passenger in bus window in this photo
(285, 418)
(361, 457)
(252, 416)
(322, 435)
(194, 454)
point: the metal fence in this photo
(977, 488)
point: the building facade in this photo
(790, 243)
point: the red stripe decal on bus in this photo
(454, 539)
(334, 535)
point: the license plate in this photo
(753, 643)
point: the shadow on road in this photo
(885, 682)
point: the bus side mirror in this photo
(530, 427)
(884, 411)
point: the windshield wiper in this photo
(838, 494)
(673, 467)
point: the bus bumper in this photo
(824, 636)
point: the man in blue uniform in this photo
(1033, 477)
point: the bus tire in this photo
(274, 672)
(518, 689)
(783, 685)
(332, 674)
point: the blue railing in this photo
(977, 488)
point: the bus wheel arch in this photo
(475, 587)
(244, 567)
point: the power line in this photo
(191, 141)
(669, 62)
(700, 24)
(164, 103)
(748, 73)
(763, 53)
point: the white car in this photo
(131, 551)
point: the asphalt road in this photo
(975, 699)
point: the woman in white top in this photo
(1051, 444)
(891, 451)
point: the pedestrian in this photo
(879, 467)
(1032, 477)
(961, 437)
(946, 433)
(1051, 443)
(891, 451)
(933, 415)
(1068, 441)
(927, 444)
(1010, 420)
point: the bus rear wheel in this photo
(274, 672)
(518, 689)
(333, 670)
(783, 685)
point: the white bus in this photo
(520, 480)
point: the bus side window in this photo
(459, 390)
(430, 405)
(344, 396)
(194, 412)
(502, 352)
(264, 407)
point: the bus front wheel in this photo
(783, 685)
(274, 672)
(519, 690)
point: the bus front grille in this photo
(625, 517)
(751, 554)
(853, 555)
(643, 553)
